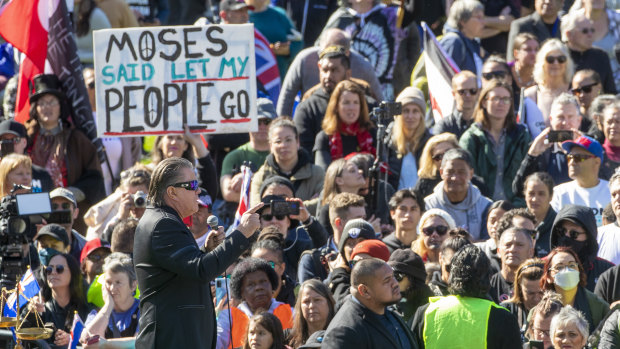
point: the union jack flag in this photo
(244, 202)
(267, 72)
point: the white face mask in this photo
(567, 278)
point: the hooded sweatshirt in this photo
(469, 213)
(587, 251)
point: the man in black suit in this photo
(544, 23)
(173, 273)
(364, 321)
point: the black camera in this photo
(284, 208)
(139, 199)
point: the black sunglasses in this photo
(500, 74)
(59, 269)
(399, 276)
(269, 217)
(579, 157)
(62, 206)
(191, 185)
(264, 121)
(469, 91)
(439, 229)
(574, 234)
(588, 30)
(584, 89)
(553, 59)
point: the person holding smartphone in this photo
(545, 152)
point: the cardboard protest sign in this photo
(153, 80)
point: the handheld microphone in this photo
(213, 222)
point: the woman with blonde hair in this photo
(553, 72)
(346, 126)
(527, 292)
(408, 136)
(430, 161)
(432, 231)
(15, 169)
(496, 142)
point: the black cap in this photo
(407, 262)
(355, 228)
(12, 127)
(56, 231)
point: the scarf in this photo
(612, 152)
(48, 152)
(364, 140)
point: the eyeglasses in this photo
(264, 121)
(468, 91)
(437, 157)
(127, 174)
(588, 30)
(47, 104)
(540, 332)
(191, 185)
(553, 59)
(559, 268)
(63, 206)
(269, 217)
(399, 276)
(579, 157)
(573, 234)
(584, 89)
(500, 74)
(50, 268)
(439, 229)
(502, 100)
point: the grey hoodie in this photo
(470, 213)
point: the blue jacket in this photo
(460, 48)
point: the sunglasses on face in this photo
(439, 229)
(584, 89)
(587, 31)
(553, 59)
(59, 269)
(63, 206)
(191, 185)
(579, 157)
(468, 91)
(95, 257)
(399, 276)
(264, 121)
(500, 74)
(268, 217)
(573, 234)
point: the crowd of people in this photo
(494, 226)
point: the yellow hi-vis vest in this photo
(457, 322)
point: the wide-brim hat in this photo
(46, 84)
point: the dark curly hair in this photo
(469, 273)
(247, 266)
(506, 221)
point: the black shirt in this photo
(501, 289)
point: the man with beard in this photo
(444, 322)
(410, 273)
(364, 321)
(575, 227)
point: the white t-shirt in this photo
(608, 239)
(571, 193)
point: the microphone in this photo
(213, 222)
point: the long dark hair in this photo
(77, 290)
(270, 323)
(299, 332)
(83, 11)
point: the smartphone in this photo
(559, 136)
(536, 345)
(59, 217)
(284, 208)
(221, 286)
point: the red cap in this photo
(373, 247)
(91, 246)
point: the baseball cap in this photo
(204, 199)
(265, 108)
(63, 193)
(54, 230)
(12, 127)
(93, 245)
(234, 5)
(587, 143)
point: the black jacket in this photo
(309, 16)
(502, 332)
(356, 326)
(437, 285)
(608, 285)
(610, 335)
(176, 304)
(597, 60)
(593, 265)
(393, 243)
(309, 116)
(339, 282)
(555, 164)
(544, 233)
(453, 123)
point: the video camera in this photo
(386, 111)
(18, 215)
